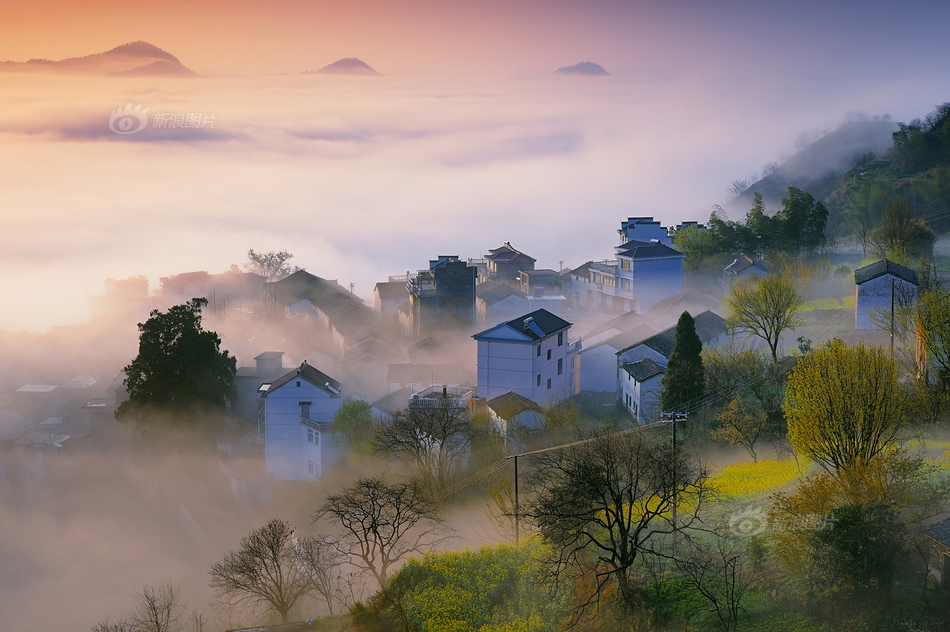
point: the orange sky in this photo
(293, 35)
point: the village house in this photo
(938, 558)
(505, 263)
(639, 397)
(499, 302)
(446, 288)
(268, 366)
(512, 414)
(641, 388)
(598, 360)
(298, 414)
(530, 355)
(744, 267)
(642, 272)
(879, 287)
(417, 376)
(388, 297)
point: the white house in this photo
(388, 297)
(268, 366)
(511, 413)
(643, 274)
(598, 362)
(531, 356)
(498, 303)
(641, 388)
(298, 412)
(876, 285)
(645, 229)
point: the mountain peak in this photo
(583, 68)
(345, 66)
(134, 59)
(141, 49)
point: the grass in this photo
(842, 302)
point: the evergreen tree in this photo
(180, 368)
(684, 379)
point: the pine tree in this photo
(683, 381)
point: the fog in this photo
(361, 177)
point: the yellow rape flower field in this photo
(750, 480)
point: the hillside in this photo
(135, 59)
(818, 168)
(346, 66)
(583, 68)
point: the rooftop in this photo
(533, 326)
(508, 254)
(709, 325)
(316, 377)
(644, 250)
(882, 267)
(511, 404)
(643, 370)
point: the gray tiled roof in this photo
(643, 370)
(314, 376)
(882, 267)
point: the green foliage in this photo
(683, 382)
(489, 589)
(920, 145)
(353, 423)
(844, 405)
(180, 368)
(857, 547)
(765, 308)
(901, 235)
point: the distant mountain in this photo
(347, 66)
(583, 68)
(135, 59)
(818, 168)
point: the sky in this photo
(467, 139)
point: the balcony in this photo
(574, 346)
(439, 396)
(607, 266)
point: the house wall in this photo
(505, 366)
(506, 309)
(286, 446)
(598, 369)
(641, 399)
(655, 280)
(875, 296)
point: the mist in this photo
(358, 175)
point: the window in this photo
(624, 264)
(560, 339)
(298, 383)
(311, 467)
(549, 384)
(305, 410)
(309, 435)
(539, 379)
(538, 347)
(560, 366)
(549, 354)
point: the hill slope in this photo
(139, 59)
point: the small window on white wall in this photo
(311, 467)
(310, 434)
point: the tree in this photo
(353, 424)
(273, 568)
(765, 308)
(604, 502)
(740, 426)
(800, 223)
(902, 233)
(844, 405)
(157, 609)
(429, 439)
(180, 368)
(683, 381)
(716, 572)
(382, 524)
(270, 265)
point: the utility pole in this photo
(892, 319)
(517, 515)
(672, 418)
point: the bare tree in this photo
(323, 561)
(270, 569)
(122, 625)
(605, 502)
(157, 609)
(430, 440)
(716, 572)
(270, 265)
(381, 524)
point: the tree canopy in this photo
(270, 265)
(180, 367)
(844, 405)
(765, 308)
(683, 381)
